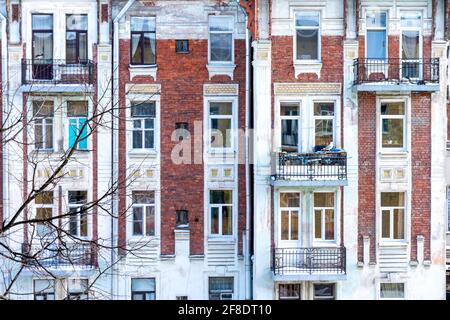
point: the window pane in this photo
(392, 290)
(223, 284)
(77, 197)
(83, 224)
(220, 23)
(220, 108)
(323, 199)
(324, 291)
(307, 19)
(149, 48)
(376, 19)
(42, 22)
(376, 44)
(411, 19)
(307, 44)
(284, 225)
(392, 199)
(143, 24)
(44, 286)
(43, 108)
(82, 50)
(49, 134)
(221, 133)
(227, 220)
(149, 139)
(294, 225)
(220, 197)
(289, 110)
(289, 291)
(323, 132)
(399, 224)
(214, 220)
(71, 47)
(77, 108)
(329, 224)
(136, 52)
(324, 109)
(221, 47)
(45, 197)
(289, 133)
(137, 139)
(150, 221)
(143, 285)
(290, 200)
(73, 221)
(143, 197)
(76, 22)
(410, 44)
(385, 224)
(38, 134)
(392, 133)
(318, 224)
(137, 221)
(393, 108)
(146, 109)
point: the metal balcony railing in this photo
(396, 71)
(54, 257)
(311, 166)
(291, 261)
(57, 72)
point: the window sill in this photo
(143, 71)
(142, 153)
(221, 238)
(216, 69)
(307, 66)
(325, 244)
(389, 153)
(393, 243)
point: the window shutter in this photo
(82, 144)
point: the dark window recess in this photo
(182, 297)
(182, 219)
(182, 46)
(182, 130)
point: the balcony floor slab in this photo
(309, 277)
(309, 183)
(402, 87)
(57, 88)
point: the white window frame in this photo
(142, 129)
(397, 282)
(144, 225)
(391, 218)
(319, 38)
(46, 293)
(79, 206)
(322, 209)
(209, 131)
(290, 209)
(333, 118)
(299, 122)
(416, 28)
(44, 206)
(65, 103)
(43, 124)
(224, 17)
(385, 28)
(403, 117)
(220, 207)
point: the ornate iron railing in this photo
(54, 257)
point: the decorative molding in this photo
(143, 71)
(218, 69)
(220, 89)
(142, 88)
(307, 68)
(310, 87)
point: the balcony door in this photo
(42, 50)
(290, 127)
(411, 46)
(289, 220)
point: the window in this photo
(182, 46)
(307, 27)
(44, 289)
(376, 35)
(76, 38)
(78, 289)
(143, 289)
(221, 210)
(289, 291)
(323, 123)
(289, 211)
(44, 212)
(324, 291)
(182, 217)
(289, 114)
(143, 213)
(143, 40)
(77, 112)
(392, 290)
(78, 219)
(221, 118)
(221, 288)
(182, 297)
(393, 215)
(411, 25)
(43, 114)
(221, 39)
(143, 117)
(324, 223)
(42, 49)
(393, 125)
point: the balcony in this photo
(396, 74)
(310, 169)
(53, 72)
(318, 263)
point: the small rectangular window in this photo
(143, 40)
(392, 290)
(324, 291)
(182, 46)
(221, 39)
(182, 219)
(143, 289)
(307, 26)
(143, 119)
(289, 291)
(143, 213)
(221, 212)
(182, 297)
(392, 125)
(221, 119)
(44, 289)
(221, 288)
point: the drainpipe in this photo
(247, 260)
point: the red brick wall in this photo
(366, 171)
(421, 171)
(1, 142)
(182, 77)
(95, 162)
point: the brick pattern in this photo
(1, 144)
(366, 171)
(421, 171)
(182, 77)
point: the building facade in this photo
(213, 149)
